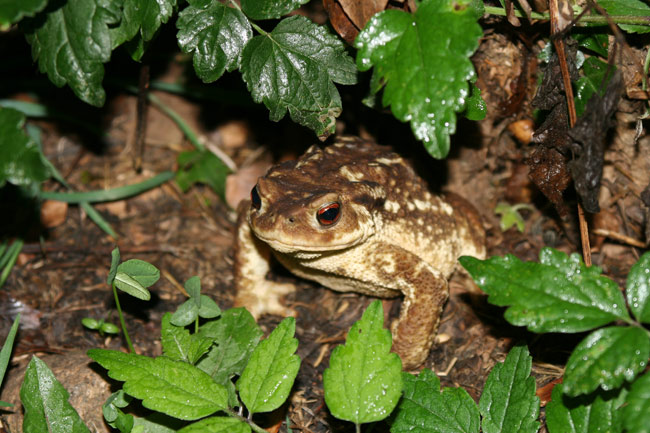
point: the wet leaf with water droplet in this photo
(585, 414)
(559, 294)
(424, 61)
(508, 402)
(424, 408)
(363, 382)
(268, 377)
(638, 289)
(294, 68)
(606, 358)
(217, 424)
(636, 414)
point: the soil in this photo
(60, 277)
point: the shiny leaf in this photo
(45, 402)
(293, 68)
(631, 8)
(424, 409)
(266, 381)
(585, 414)
(423, 59)
(508, 402)
(636, 413)
(559, 294)
(71, 41)
(363, 382)
(638, 289)
(215, 34)
(594, 81)
(143, 272)
(172, 387)
(142, 18)
(217, 424)
(269, 9)
(178, 344)
(606, 358)
(12, 11)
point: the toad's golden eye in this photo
(329, 214)
(256, 201)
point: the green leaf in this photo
(266, 381)
(157, 422)
(510, 215)
(12, 11)
(293, 68)
(45, 402)
(638, 289)
(476, 108)
(143, 272)
(109, 328)
(217, 424)
(508, 402)
(71, 41)
(269, 9)
(423, 59)
(596, 42)
(90, 323)
(631, 8)
(172, 387)
(185, 314)
(208, 309)
(20, 157)
(559, 294)
(636, 413)
(236, 335)
(114, 415)
(5, 353)
(606, 358)
(216, 34)
(593, 82)
(202, 167)
(363, 382)
(423, 408)
(584, 414)
(131, 286)
(178, 344)
(142, 18)
(115, 260)
(193, 288)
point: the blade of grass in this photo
(5, 353)
(109, 194)
(10, 257)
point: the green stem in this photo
(178, 120)
(591, 20)
(357, 427)
(255, 26)
(119, 311)
(196, 325)
(253, 426)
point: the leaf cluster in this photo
(560, 294)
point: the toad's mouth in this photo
(299, 245)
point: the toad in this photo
(355, 217)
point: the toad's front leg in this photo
(252, 263)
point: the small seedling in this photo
(100, 325)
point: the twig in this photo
(620, 237)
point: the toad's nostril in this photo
(291, 220)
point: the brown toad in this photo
(355, 217)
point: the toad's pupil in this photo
(256, 201)
(329, 214)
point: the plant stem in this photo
(119, 311)
(253, 426)
(587, 20)
(255, 26)
(178, 120)
(357, 427)
(196, 325)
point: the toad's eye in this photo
(256, 201)
(329, 214)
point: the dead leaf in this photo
(348, 17)
(53, 213)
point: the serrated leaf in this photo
(636, 413)
(424, 61)
(131, 286)
(638, 289)
(266, 381)
(423, 408)
(363, 382)
(45, 402)
(559, 294)
(215, 34)
(584, 414)
(269, 9)
(13, 11)
(508, 402)
(172, 387)
(178, 344)
(115, 260)
(157, 422)
(595, 72)
(71, 42)
(606, 358)
(142, 18)
(143, 272)
(631, 8)
(202, 167)
(293, 68)
(217, 424)
(185, 314)
(20, 157)
(236, 335)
